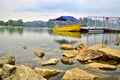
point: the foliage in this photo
(11, 23)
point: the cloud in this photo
(49, 8)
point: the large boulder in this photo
(70, 53)
(8, 70)
(89, 55)
(7, 59)
(113, 54)
(97, 46)
(66, 60)
(47, 73)
(1, 72)
(101, 66)
(52, 61)
(39, 53)
(66, 47)
(79, 74)
(25, 73)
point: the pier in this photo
(101, 24)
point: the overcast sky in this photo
(30, 10)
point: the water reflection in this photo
(87, 38)
(66, 37)
(12, 30)
(70, 34)
(102, 38)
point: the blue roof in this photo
(67, 18)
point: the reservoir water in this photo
(12, 41)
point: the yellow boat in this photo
(74, 27)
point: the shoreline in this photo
(71, 52)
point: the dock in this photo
(100, 24)
(100, 29)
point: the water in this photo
(13, 40)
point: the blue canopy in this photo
(67, 18)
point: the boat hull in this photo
(74, 27)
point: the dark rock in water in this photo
(39, 53)
(7, 59)
(47, 73)
(66, 47)
(66, 60)
(25, 47)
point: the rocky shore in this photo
(99, 57)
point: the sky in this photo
(30, 10)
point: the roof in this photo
(67, 18)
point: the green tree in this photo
(20, 22)
(9, 22)
(2, 22)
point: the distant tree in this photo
(9, 22)
(20, 22)
(2, 22)
(14, 22)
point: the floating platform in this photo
(98, 29)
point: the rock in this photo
(83, 49)
(79, 46)
(78, 74)
(89, 55)
(25, 73)
(52, 61)
(66, 47)
(47, 73)
(70, 53)
(39, 53)
(111, 53)
(7, 59)
(118, 41)
(97, 46)
(106, 61)
(66, 60)
(1, 72)
(25, 47)
(101, 66)
(8, 70)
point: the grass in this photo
(1, 26)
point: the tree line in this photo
(12, 22)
